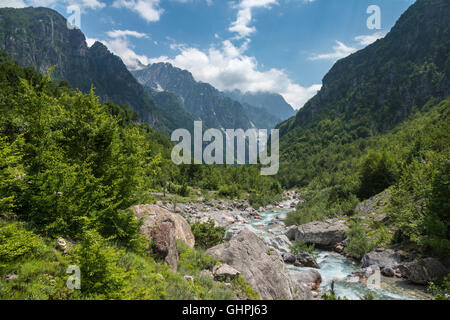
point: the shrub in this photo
(377, 172)
(192, 261)
(207, 235)
(229, 191)
(101, 277)
(16, 242)
(299, 247)
(358, 241)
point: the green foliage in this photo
(323, 204)
(191, 261)
(368, 296)
(299, 247)
(16, 242)
(11, 173)
(207, 235)
(229, 191)
(440, 290)
(359, 242)
(377, 172)
(101, 277)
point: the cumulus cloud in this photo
(119, 44)
(227, 67)
(365, 40)
(339, 51)
(149, 10)
(244, 16)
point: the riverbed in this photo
(336, 267)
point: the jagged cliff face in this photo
(378, 86)
(39, 38)
(202, 100)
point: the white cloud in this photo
(228, 68)
(339, 51)
(365, 40)
(12, 4)
(244, 16)
(147, 9)
(119, 44)
(126, 33)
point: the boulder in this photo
(280, 243)
(261, 267)
(310, 277)
(224, 271)
(388, 272)
(288, 258)
(152, 215)
(306, 259)
(164, 243)
(424, 270)
(290, 232)
(386, 258)
(322, 233)
(236, 229)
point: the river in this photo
(334, 266)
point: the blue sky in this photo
(282, 46)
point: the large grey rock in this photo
(424, 270)
(280, 243)
(290, 232)
(165, 243)
(323, 234)
(237, 228)
(261, 267)
(310, 277)
(305, 259)
(153, 215)
(382, 259)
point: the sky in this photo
(279, 46)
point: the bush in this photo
(207, 235)
(16, 242)
(359, 242)
(299, 247)
(377, 172)
(229, 191)
(101, 277)
(192, 261)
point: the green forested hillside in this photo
(71, 167)
(371, 91)
(380, 121)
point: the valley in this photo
(356, 208)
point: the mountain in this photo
(273, 103)
(373, 90)
(39, 38)
(202, 100)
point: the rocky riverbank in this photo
(258, 246)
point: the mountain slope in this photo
(39, 38)
(372, 91)
(273, 103)
(202, 100)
